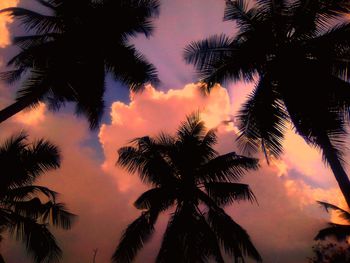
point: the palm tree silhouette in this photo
(26, 210)
(67, 53)
(340, 231)
(302, 60)
(187, 174)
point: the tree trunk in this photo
(331, 156)
(15, 108)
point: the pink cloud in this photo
(282, 225)
(287, 218)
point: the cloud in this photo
(282, 225)
(5, 21)
(287, 218)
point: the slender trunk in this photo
(15, 108)
(330, 153)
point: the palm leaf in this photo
(262, 121)
(343, 213)
(227, 193)
(340, 232)
(27, 192)
(34, 21)
(226, 168)
(157, 198)
(57, 215)
(232, 236)
(131, 67)
(39, 242)
(136, 234)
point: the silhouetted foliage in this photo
(67, 53)
(332, 252)
(339, 231)
(299, 51)
(26, 210)
(188, 175)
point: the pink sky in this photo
(282, 225)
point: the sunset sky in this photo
(282, 225)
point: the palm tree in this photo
(300, 52)
(26, 210)
(340, 231)
(188, 176)
(69, 50)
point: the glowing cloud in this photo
(5, 21)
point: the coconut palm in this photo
(189, 177)
(298, 52)
(340, 231)
(26, 210)
(69, 49)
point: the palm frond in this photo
(136, 234)
(232, 236)
(157, 198)
(226, 168)
(38, 240)
(227, 193)
(239, 11)
(27, 192)
(131, 67)
(42, 156)
(340, 232)
(343, 213)
(33, 20)
(206, 51)
(262, 121)
(56, 214)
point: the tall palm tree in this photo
(188, 176)
(26, 210)
(69, 50)
(340, 231)
(300, 52)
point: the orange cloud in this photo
(4, 22)
(287, 218)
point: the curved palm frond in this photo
(262, 121)
(159, 199)
(28, 192)
(131, 67)
(207, 51)
(233, 237)
(343, 213)
(226, 168)
(136, 234)
(34, 21)
(340, 232)
(224, 193)
(147, 161)
(40, 243)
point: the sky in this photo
(283, 223)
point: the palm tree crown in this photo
(188, 175)
(69, 50)
(300, 51)
(26, 210)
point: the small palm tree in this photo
(26, 210)
(300, 50)
(68, 51)
(340, 231)
(188, 175)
